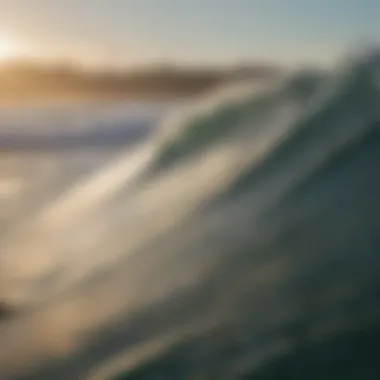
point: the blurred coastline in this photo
(22, 82)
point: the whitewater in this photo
(239, 239)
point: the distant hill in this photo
(24, 81)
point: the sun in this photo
(8, 48)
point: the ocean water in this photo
(234, 238)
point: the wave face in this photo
(241, 241)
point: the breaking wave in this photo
(240, 241)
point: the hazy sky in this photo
(205, 31)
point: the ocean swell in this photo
(241, 241)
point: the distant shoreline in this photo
(26, 83)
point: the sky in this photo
(134, 32)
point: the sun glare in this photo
(8, 48)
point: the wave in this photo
(241, 238)
(56, 128)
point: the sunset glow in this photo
(8, 48)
